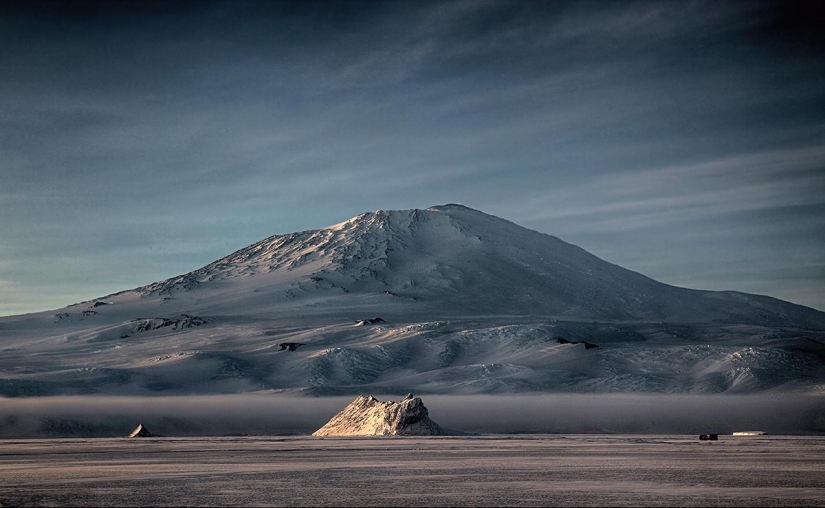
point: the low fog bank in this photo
(277, 414)
(194, 415)
(630, 413)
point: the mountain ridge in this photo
(442, 300)
(365, 254)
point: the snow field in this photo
(567, 470)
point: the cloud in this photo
(752, 222)
(659, 196)
(630, 413)
(262, 414)
(138, 127)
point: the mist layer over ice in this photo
(630, 413)
(267, 414)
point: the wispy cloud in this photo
(753, 222)
(235, 121)
(660, 196)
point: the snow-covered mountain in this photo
(442, 300)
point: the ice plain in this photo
(489, 470)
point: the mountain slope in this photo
(465, 262)
(468, 303)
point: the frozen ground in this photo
(567, 470)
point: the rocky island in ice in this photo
(367, 416)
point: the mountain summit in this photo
(461, 261)
(442, 300)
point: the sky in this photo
(142, 140)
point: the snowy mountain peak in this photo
(453, 207)
(460, 261)
(442, 300)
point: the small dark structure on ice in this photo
(708, 437)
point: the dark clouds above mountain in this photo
(140, 140)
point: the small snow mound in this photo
(367, 416)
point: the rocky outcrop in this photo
(371, 321)
(141, 431)
(587, 345)
(367, 416)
